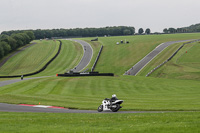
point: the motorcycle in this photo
(108, 105)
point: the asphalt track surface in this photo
(142, 63)
(87, 56)
(19, 108)
(7, 82)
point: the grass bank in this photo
(185, 65)
(30, 59)
(147, 122)
(70, 55)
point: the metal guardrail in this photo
(95, 63)
(171, 56)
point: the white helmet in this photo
(114, 95)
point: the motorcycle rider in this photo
(114, 98)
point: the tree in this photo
(165, 30)
(140, 31)
(1, 51)
(19, 39)
(30, 34)
(172, 30)
(147, 31)
(6, 47)
(26, 39)
(127, 32)
(11, 41)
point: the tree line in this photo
(9, 43)
(141, 31)
(79, 32)
(189, 29)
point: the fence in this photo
(171, 56)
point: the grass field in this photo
(183, 65)
(139, 93)
(177, 93)
(119, 58)
(101, 123)
(70, 55)
(30, 59)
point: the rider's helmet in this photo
(114, 95)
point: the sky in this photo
(53, 14)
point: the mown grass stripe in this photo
(57, 89)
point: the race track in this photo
(88, 53)
(87, 56)
(7, 82)
(142, 63)
(20, 108)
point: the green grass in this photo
(183, 65)
(119, 58)
(51, 122)
(70, 55)
(139, 93)
(36, 56)
(30, 59)
(192, 58)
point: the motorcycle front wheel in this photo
(100, 108)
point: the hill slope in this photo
(70, 55)
(185, 65)
(119, 58)
(30, 59)
(35, 57)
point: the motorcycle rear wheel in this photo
(100, 108)
(116, 108)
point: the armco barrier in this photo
(95, 63)
(42, 69)
(171, 57)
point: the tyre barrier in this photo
(171, 56)
(95, 63)
(85, 74)
(42, 69)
